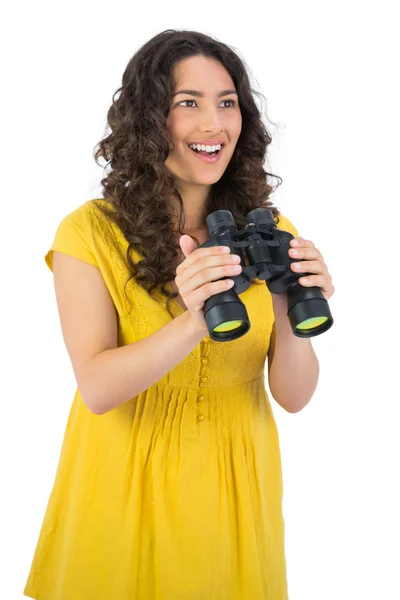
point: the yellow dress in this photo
(176, 494)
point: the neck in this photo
(195, 200)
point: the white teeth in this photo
(206, 148)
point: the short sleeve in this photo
(287, 225)
(74, 236)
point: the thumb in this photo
(187, 244)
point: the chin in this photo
(205, 180)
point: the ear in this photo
(187, 244)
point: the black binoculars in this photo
(266, 249)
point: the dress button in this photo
(200, 399)
(204, 379)
(204, 361)
(200, 417)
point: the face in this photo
(207, 118)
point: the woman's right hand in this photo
(199, 276)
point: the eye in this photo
(233, 102)
(183, 101)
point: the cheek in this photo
(238, 125)
(176, 127)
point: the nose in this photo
(210, 119)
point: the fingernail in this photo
(295, 242)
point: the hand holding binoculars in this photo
(265, 248)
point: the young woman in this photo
(169, 481)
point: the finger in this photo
(199, 296)
(325, 285)
(309, 253)
(187, 245)
(300, 242)
(192, 256)
(315, 280)
(309, 266)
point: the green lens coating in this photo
(311, 323)
(228, 326)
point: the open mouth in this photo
(204, 153)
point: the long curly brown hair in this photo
(139, 185)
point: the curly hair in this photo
(139, 185)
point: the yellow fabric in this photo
(176, 494)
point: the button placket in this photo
(203, 380)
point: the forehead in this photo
(204, 74)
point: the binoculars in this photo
(265, 247)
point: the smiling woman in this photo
(194, 89)
(206, 122)
(169, 483)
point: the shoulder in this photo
(88, 218)
(81, 234)
(88, 211)
(79, 216)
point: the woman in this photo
(169, 482)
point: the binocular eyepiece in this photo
(266, 249)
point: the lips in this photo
(219, 144)
(207, 159)
(209, 143)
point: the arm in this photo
(293, 367)
(108, 375)
(117, 375)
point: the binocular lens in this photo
(226, 320)
(308, 311)
(228, 326)
(311, 323)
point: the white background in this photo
(329, 76)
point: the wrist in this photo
(196, 326)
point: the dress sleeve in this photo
(287, 225)
(74, 236)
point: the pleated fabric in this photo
(176, 494)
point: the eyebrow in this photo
(201, 95)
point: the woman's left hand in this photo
(311, 262)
